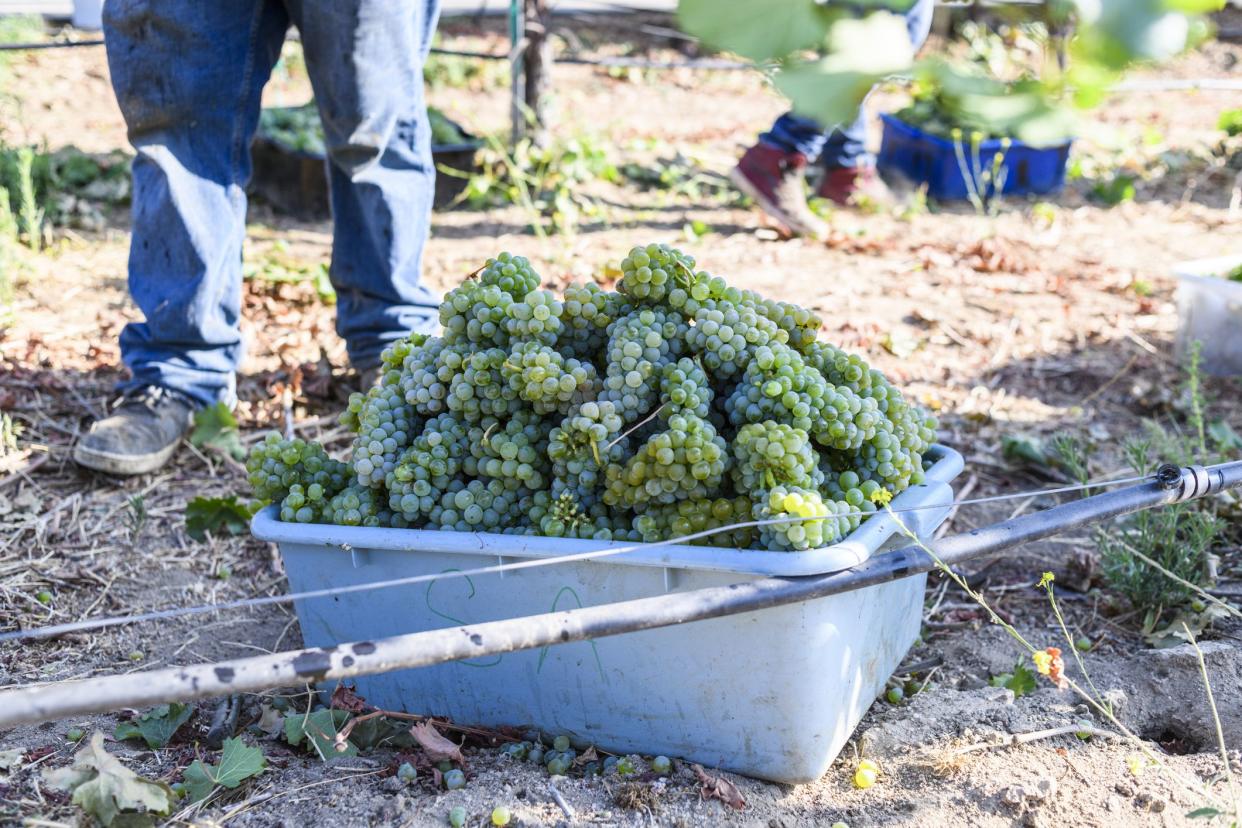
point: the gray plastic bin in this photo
(773, 694)
(1209, 308)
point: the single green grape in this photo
(500, 815)
(44, 597)
(454, 780)
(558, 766)
(407, 773)
(536, 755)
(444, 765)
(74, 734)
(561, 743)
(895, 695)
(1083, 645)
(661, 765)
(457, 817)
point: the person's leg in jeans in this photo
(187, 77)
(365, 61)
(775, 166)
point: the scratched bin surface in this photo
(773, 694)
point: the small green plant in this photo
(135, 516)
(1116, 190)
(29, 212)
(1231, 122)
(547, 182)
(985, 183)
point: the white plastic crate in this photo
(773, 694)
(1209, 308)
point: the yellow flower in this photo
(881, 497)
(1046, 580)
(1043, 662)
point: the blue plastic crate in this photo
(923, 158)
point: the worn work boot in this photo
(775, 180)
(139, 436)
(855, 187)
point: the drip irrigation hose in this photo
(103, 694)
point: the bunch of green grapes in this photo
(587, 311)
(684, 389)
(640, 344)
(385, 425)
(475, 506)
(800, 325)
(587, 441)
(427, 468)
(427, 372)
(562, 516)
(514, 451)
(811, 522)
(474, 314)
(275, 465)
(549, 382)
(536, 318)
(481, 389)
(357, 506)
(649, 273)
(770, 454)
(778, 385)
(726, 335)
(685, 461)
(512, 274)
(659, 522)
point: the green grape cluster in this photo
(684, 389)
(771, 454)
(481, 389)
(587, 441)
(811, 522)
(537, 318)
(542, 377)
(726, 335)
(513, 451)
(587, 311)
(275, 465)
(640, 344)
(427, 468)
(685, 461)
(687, 517)
(675, 404)
(649, 273)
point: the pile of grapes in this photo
(673, 405)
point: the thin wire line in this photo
(242, 603)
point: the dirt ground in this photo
(1048, 316)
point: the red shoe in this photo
(852, 186)
(775, 180)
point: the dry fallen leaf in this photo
(344, 698)
(588, 755)
(434, 744)
(717, 787)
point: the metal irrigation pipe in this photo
(98, 695)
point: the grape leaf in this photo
(1021, 681)
(215, 428)
(759, 31)
(238, 762)
(157, 726)
(860, 53)
(216, 515)
(106, 789)
(318, 731)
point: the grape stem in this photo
(635, 427)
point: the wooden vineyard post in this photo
(529, 28)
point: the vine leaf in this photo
(435, 745)
(157, 726)
(238, 762)
(860, 54)
(106, 789)
(759, 31)
(215, 428)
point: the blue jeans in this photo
(188, 77)
(841, 146)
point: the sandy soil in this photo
(1036, 320)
